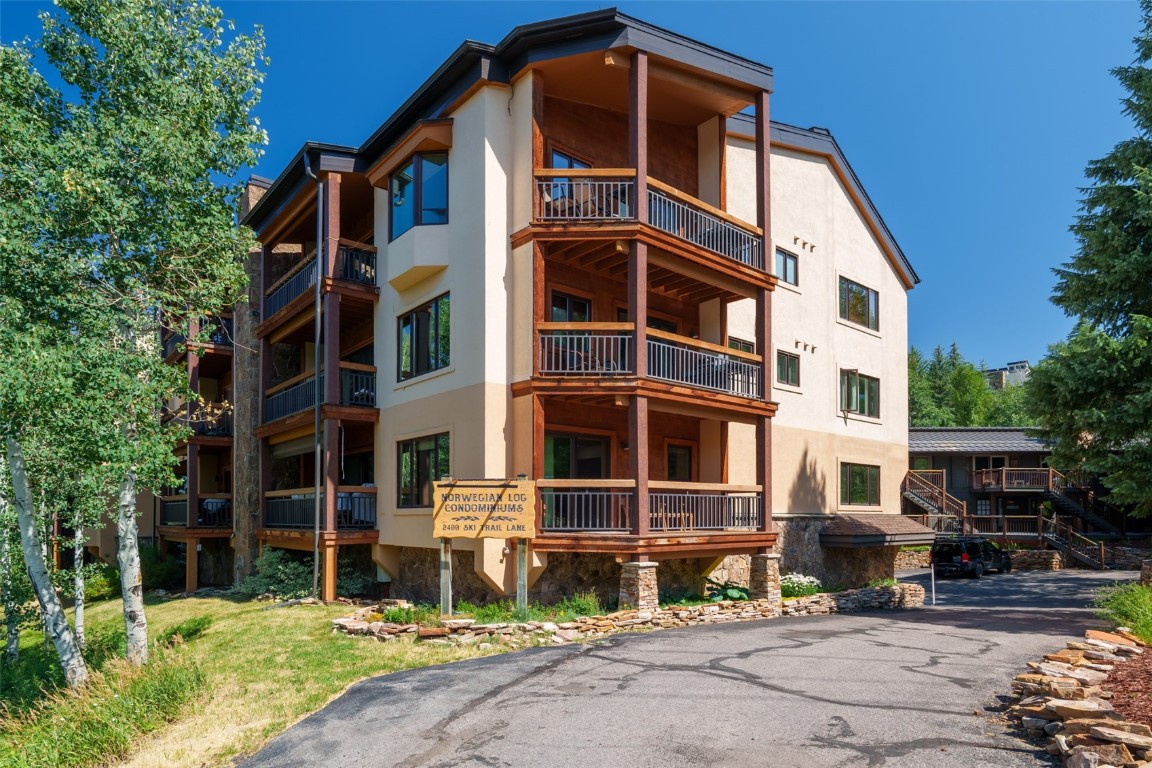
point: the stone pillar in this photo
(1146, 573)
(638, 588)
(764, 579)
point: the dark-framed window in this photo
(425, 339)
(420, 462)
(562, 160)
(742, 345)
(787, 267)
(859, 484)
(859, 394)
(788, 369)
(570, 309)
(569, 456)
(859, 304)
(679, 462)
(419, 193)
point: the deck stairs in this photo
(1068, 501)
(1082, 549)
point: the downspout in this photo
(316, 392)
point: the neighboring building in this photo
(1015, 373)
(999, 476)
(576, 256)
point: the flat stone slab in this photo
(1118, 736)
(1108, 637)
(1071, 709)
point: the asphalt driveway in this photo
(915, 689)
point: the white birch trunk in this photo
(131, 582)
(55, 622)
(78, 585)
(11, 620)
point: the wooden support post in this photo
(191, 565)
(446, 577)
(539, 304)
(331, 473)
(331, 224)
(538, 453)
(328, 590)
(331, 320)
(193, 480)
(638, 461)
(638, 129)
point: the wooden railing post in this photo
(1101, 555)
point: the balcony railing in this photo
(585, 349)
(293, 399)
(599, 194)
(671, 211)
(173, 343)
(586, 505)
(1030, 479)
(677, 507)
(219, 425)
(289, 287)
(296, 508)
(219, 330)
(357, 265)
(357, 386)
(684, 361)
(174, 511)
(214, 511)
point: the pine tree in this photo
(1093, 394)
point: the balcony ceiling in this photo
(297, 222)
(675, 94)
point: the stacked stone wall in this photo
(1038, 560)
(906, 560)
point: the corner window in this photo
(859, 304)
(421, 461)
(859, 394)
(419, 193)
(786, 267)
(788, 369)
(425, 339)
(859, 484)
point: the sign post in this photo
(484, 509)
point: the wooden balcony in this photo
(686, 518)
(298, 394)
(355, 274)
(589, 352)
(606, 198)
(295, 509)
(1026, 480)
(213, 510)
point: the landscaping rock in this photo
(458, 623)
(1113, 754)
(1109, 637)
(1127, 738)
(1071, 709)
(427, 632)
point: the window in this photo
(570, 309)
(921, 462)
(575, 457)
(659, 323)
(421, 461)
(742, 345)
(425, 339)
(420, 192)
(563, 160)
(989, 462)
(859, 305)
(786, 267)
(788, 369)
(859, 484)
(680, 463)
(859, 394)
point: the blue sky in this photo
(969, 123)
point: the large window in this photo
(573, 457)
(859, 484)
(570, 309)
(680, 462)
(788, 369)
(859, 394)
(425, 339)
(420, 192)
(421, 461)
(859, 304)
(786, 267)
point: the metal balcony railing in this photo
(704, 511)
(294, 286)
(355, 508)
(174, 512)
(585, 195)
(681, 364)
(214, 513)
(357, 266)
(357, 388)
(299, 397)
(677, 214)
(602, 349)
(586, 509)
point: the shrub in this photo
(279, 573)
(351, 579)
(185, 630)
(160, 571)
(725, 590)
(425, 615)
(580, 604)
(798, 585)
(1127, 605)
(889, 582)
(101, 581)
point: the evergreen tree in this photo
(1093, 394)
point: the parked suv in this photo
(969, 556)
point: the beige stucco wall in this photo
(814, 217)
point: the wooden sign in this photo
(484, 509)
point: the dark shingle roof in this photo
(973, 440)
(874, 530)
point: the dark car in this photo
(968, 556)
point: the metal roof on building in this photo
(973, 440)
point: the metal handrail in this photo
(580, 509)
(704, 511)
(706, 370)
(569, 197)
(585, 353)
(357, 266)
(295, 399)
(293, 287)
(702, 228)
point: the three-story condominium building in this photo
(585, 256)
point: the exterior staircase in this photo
(1068, 500)
(943, 512)
(1082, 549)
